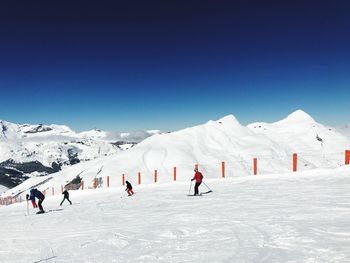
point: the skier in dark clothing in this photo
(35, 193)
(65, 196)
(198, 177)
(129, 188)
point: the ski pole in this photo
(207, 186)
(189, 191)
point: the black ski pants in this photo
(65, 199)
(40, 204)
(196, 188)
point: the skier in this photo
(129, 188)
(198, 176)
(35, 193)
(65, 196)
(33, 201)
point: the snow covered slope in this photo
(32, 150)
(302, 217)
(2, 189)
(316, 144)
(345, 130)
(208, 145)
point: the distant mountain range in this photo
(34, 150)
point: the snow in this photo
(298, 116)
(58, 144)
(273, 144)
(276, 216)
(47, 144)
(135, 137)
(3, 189)
(345, 130)
(293, 217)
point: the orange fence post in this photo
(82, 185)
(155, 176)
(139, 178)
(223, 169)
(295, 162)
(123, 179)
(174, 173)
(108, 181)
(255, 161)
(95, 183)
(347, 157)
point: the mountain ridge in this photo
(213, 142)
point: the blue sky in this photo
(127, 65)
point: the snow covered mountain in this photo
(318, 146)
(300, 133)
(345, 130)
(32, 150)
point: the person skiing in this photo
(198, 176)
(65, 196)
(33, 201)
(129, 188)
(35, 193)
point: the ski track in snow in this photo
(294, 218)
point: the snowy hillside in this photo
(2, 189)
(345, 130)
(302, 217)
(208, 145)
(317, 145)
(31, 150)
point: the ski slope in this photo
(300, 217)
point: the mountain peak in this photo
(229, 119)
(298, 116)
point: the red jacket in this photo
(198, 177)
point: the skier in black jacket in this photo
(66, 196)
(129, 188)
(35, 193)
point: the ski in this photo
(49, 211)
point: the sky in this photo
(129, 65)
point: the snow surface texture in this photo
(300, 217)
(208, 145)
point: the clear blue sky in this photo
(127, 65)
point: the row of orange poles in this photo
(223, 171)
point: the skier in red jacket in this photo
(198, 176)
